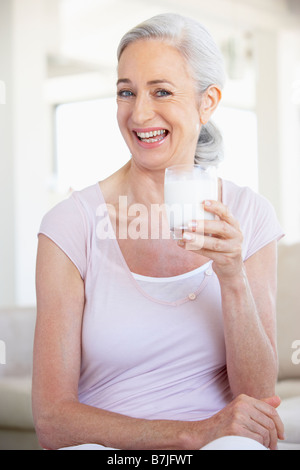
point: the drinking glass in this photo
(186, 187)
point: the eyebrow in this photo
(151, 82)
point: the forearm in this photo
(251, 357)
(72, 423)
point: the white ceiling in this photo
(90, 30)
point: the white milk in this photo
(184, 199)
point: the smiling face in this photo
(158, 107)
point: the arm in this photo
(60, 419)
(249, 311)
(248, 292)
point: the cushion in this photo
(17, 332)
(15, 399)
(289, 412)
(288, 310)
(288, 389)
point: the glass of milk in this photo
(186, 187)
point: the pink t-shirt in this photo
(143, 356)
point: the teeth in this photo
(147, 135)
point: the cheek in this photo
(192, 131)
(197, 125)
(189, 121)
(119, 114)
(122, 118)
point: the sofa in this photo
(17, 332)
(16, 422)
(288, 333)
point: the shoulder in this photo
(241, 198)
(244, 203)
(75, 209)
(256, 215)
(69, 223)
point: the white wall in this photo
(31, 156)
(24, 146)
(267, 108)
(7, 230)
(289, 123)
(278, 113)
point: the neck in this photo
(143, 186)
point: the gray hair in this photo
(198, 47)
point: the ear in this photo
(209, 102)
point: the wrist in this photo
(232, 280)
(196, 434)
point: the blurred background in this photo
(58, 130)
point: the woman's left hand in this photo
(220, 240)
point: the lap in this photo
(223, 443)
(234, 443)
(88, 447)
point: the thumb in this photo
(273, 401)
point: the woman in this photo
(149, 343)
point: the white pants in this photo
(234, 443)
(223, 443)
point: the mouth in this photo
(152, 136)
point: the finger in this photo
(222, 211)
(218, 228)
(273, 401)
(266, 427)
(271, 412)
(192, 241)
(255, 427)
(196, 241)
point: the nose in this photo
(143, 110)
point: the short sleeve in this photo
(65, 225)
(256, 216)
(259, 222)
(262, 225)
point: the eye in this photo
(124, 93)
(162, 92)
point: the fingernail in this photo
(188, 236)
(207, 203)
(192, 225)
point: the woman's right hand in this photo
(248, 417)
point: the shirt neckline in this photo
(192, 295)
(179, 277)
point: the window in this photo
(239, 130)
